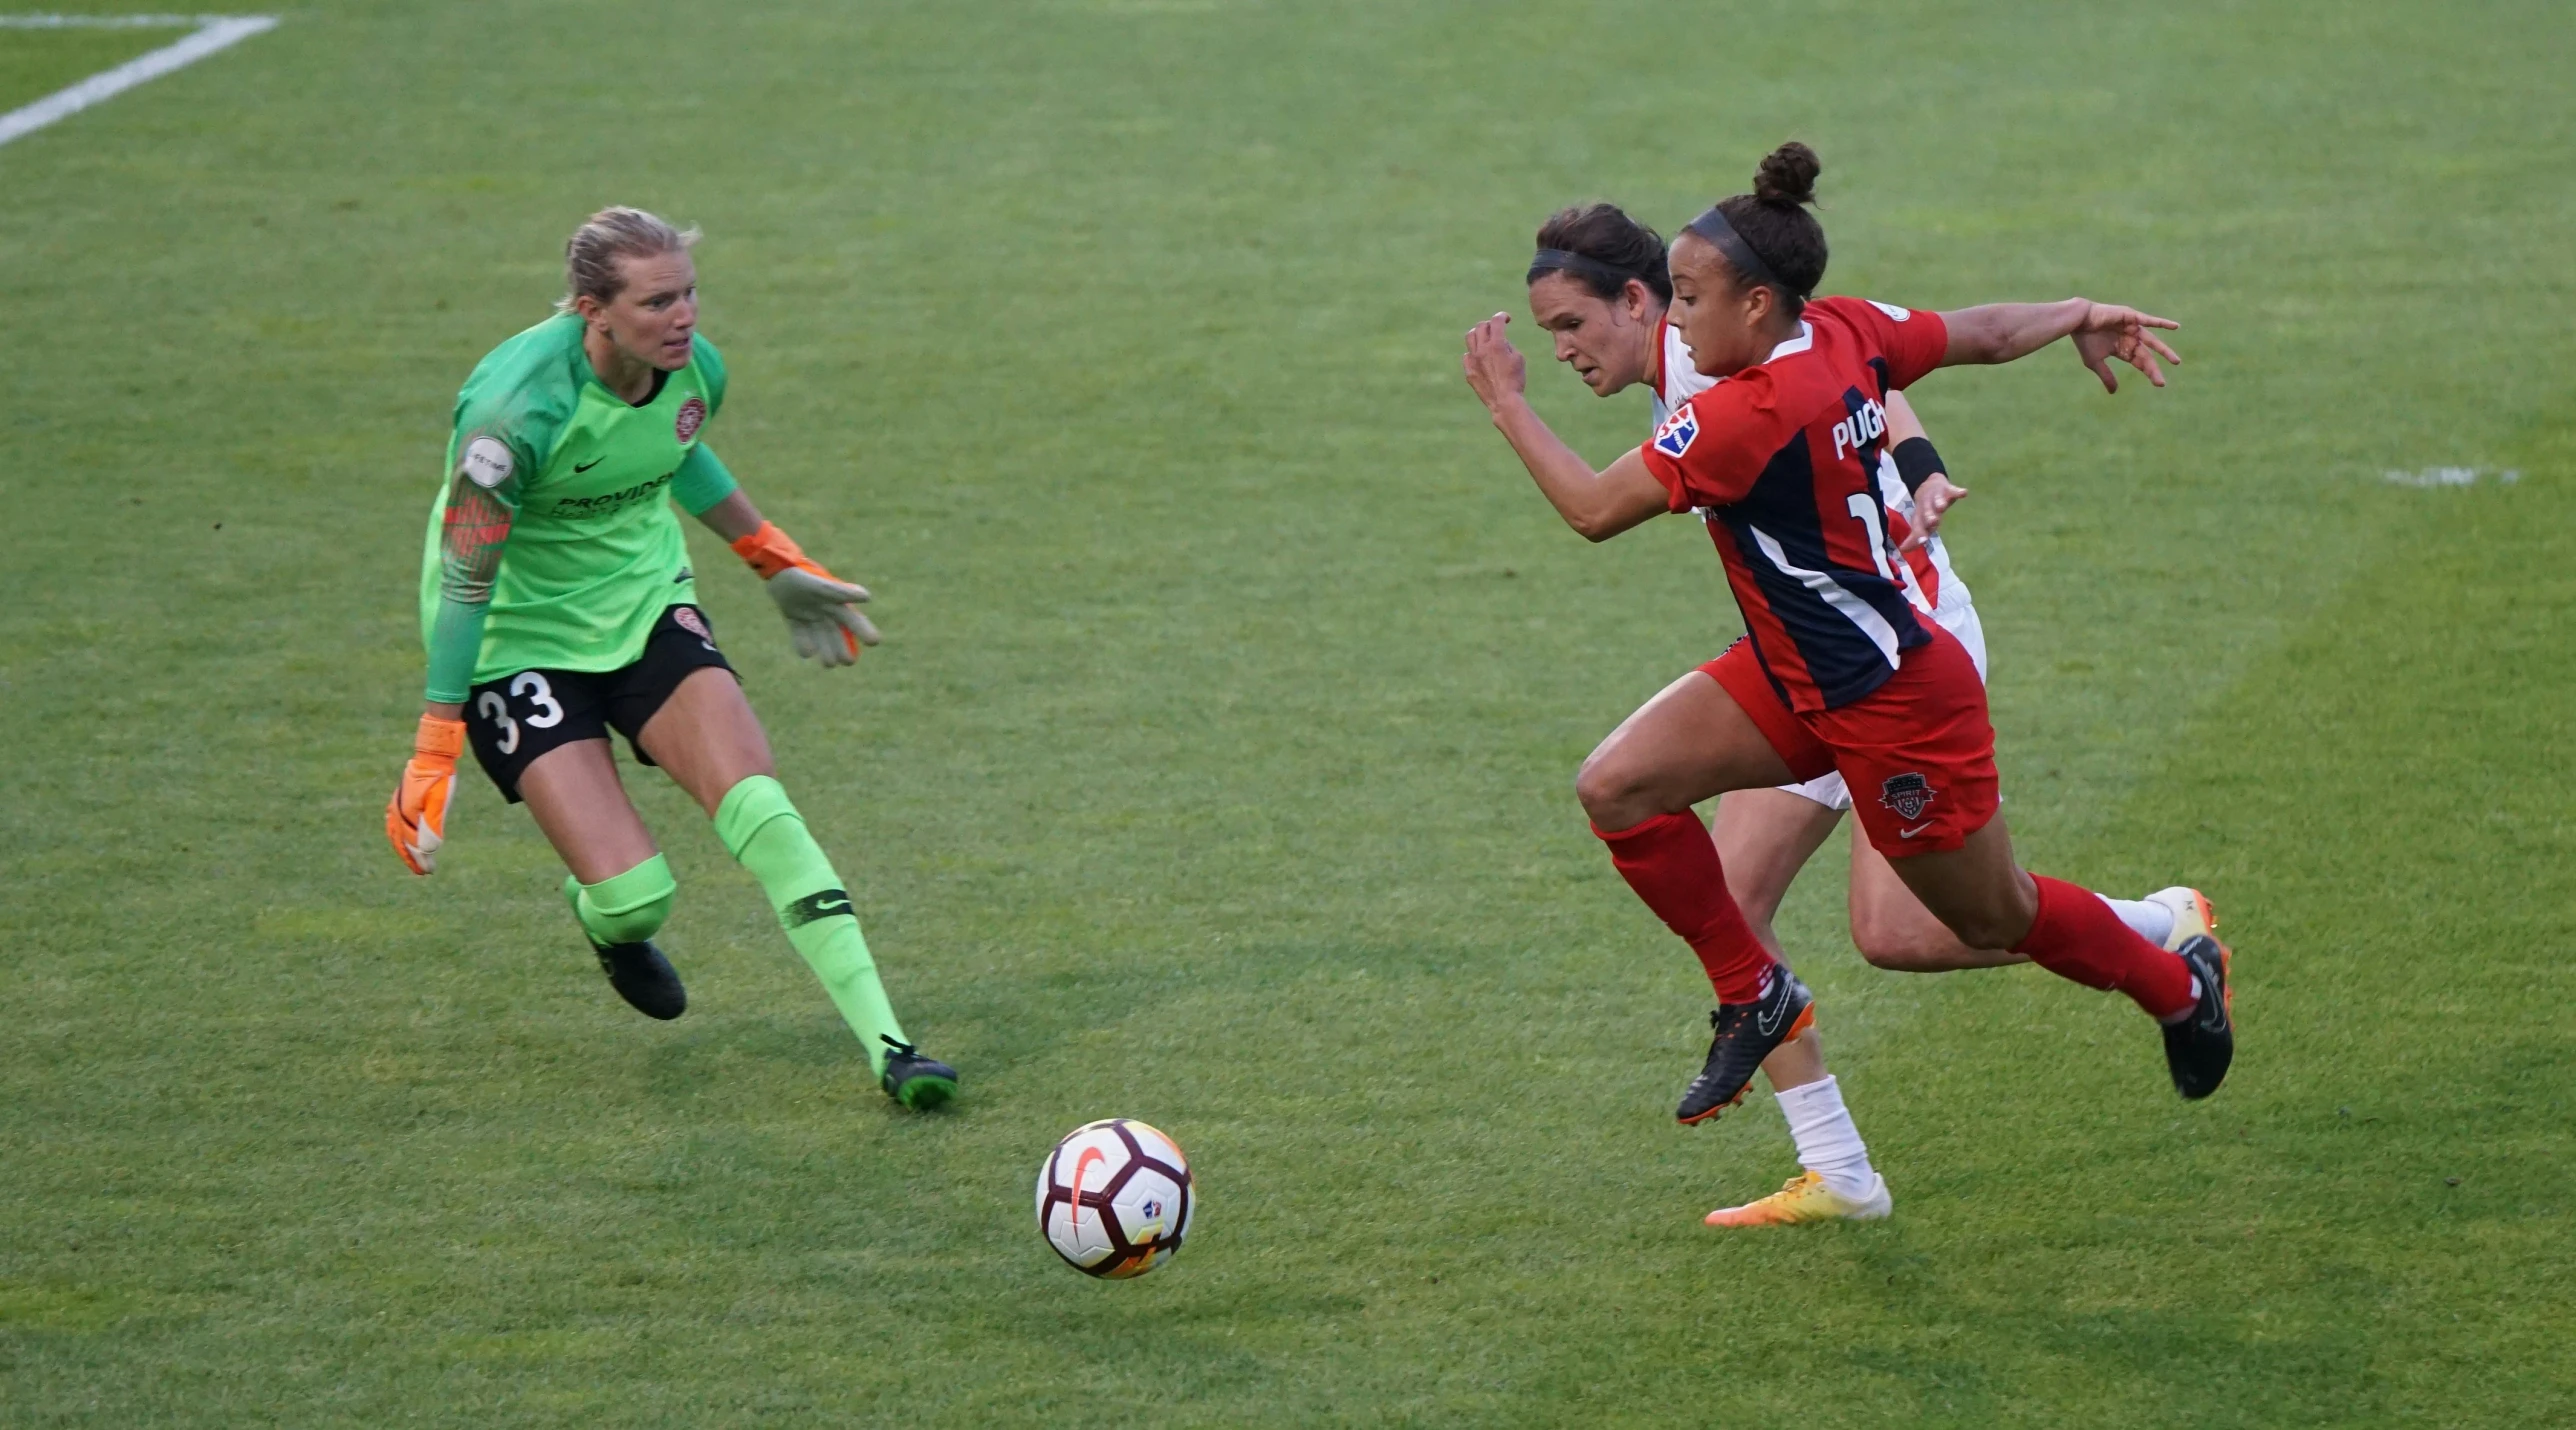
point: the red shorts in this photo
(1917, 753)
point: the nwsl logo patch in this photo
(1678, 432)
(1908, 795)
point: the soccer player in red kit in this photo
(1599, 284)
(1843, 670)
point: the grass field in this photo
(1217, 768)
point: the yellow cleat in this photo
(2193, 917)
(1806, 1198)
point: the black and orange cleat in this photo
(1745, 1034)
(2200, 1046)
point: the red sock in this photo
(1672, 864)
(2077, 936)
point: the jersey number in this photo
(1901, 578)
(1867, 510)
(531, 687)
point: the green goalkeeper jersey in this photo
(552, 543)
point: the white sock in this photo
(2153, 922)
(1828, 1144)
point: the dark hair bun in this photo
(1788, 176)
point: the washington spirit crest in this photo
(1114, 1198)
(693, 415)
(1908, 795)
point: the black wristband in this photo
(1916, 460)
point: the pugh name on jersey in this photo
(1867, 424)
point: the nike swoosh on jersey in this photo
(586, 466)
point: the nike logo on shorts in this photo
(1910, 833)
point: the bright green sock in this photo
(765, 832)
(624, 908)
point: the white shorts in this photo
(1958, 617)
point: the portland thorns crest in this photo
(692, 413)
(1908, 795)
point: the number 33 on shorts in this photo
(515, 718)
(536, 705)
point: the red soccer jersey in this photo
(1781, 460)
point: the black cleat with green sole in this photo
(915, 1081)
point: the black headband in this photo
(1557, 260)
(1713, 226)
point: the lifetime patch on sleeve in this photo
(488, 463)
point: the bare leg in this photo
(1764, 837)
(1976, 890)
(1690, 743)
(1990, 901)
(574, 792)
(706, 738)
(1894, 931)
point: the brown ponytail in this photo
(1774, 223)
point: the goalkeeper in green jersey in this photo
(557, 604)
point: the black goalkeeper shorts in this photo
(522, 715)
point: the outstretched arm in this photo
(2002, 332)
(1599, 505)
(822, 611)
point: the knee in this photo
(1881, 951)
(1895, 945)
(1613, 793)
(1596, 789)
(637, 924)
(629, 907)
(1902, 955)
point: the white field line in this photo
(2452, 477)
(212, 33)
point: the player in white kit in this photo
(1598, 285)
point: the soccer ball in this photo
(1114, 1198)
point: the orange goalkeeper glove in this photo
(416, 817)
(821, 609)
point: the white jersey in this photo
(1677, 380)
